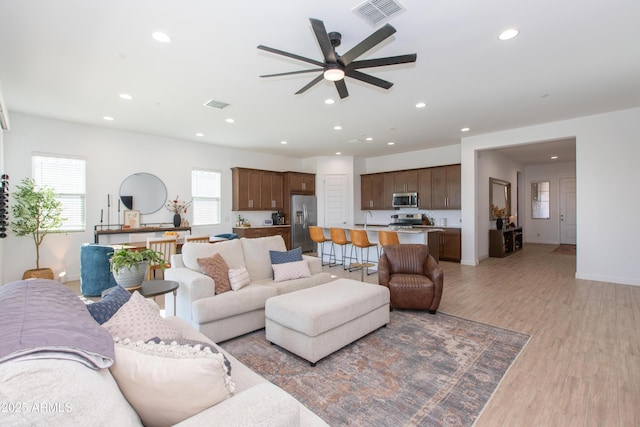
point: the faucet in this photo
(365, 218)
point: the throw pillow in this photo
(290, 270)
(167, 384)
(216, 268)
(138, 320)
(284, 257)
(105, 308)
(199, 345)
(238, 278)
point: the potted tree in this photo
(130, 267)
(36, 212)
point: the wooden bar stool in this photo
(338, 237)
(317, 235)
(360, 240)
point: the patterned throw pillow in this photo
(290, 270)
(239, 278)
(198, 345)
(278, 257)
(138, 320)
(216, 268)
(107, 306)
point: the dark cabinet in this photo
(301, 183)
(246, 186)
(446, 187)
(254, 232)
(424, 188)
(505, 242)
(451, 244)
(271, 190)
(405, 181)
(373, 191)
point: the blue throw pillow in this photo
(102, 310)
(285, 257)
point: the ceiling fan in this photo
(335, 67)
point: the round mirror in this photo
(143, 192)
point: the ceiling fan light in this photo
(334, 74)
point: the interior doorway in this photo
(568, 211)
(336, 197)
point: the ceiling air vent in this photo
(377, 12)
(216, 104)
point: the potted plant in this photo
(130, 267)
(36, 212)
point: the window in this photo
(67, 178)
(205, 194)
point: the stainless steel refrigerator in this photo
(304, 212)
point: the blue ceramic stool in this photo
(95, 269)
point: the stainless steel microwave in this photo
(405, 200)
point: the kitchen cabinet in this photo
(451, 244)
(424, 188)
(254, 232)
(300, 183)
(372, 191)
(446, 187)
(246, 186)
(271, 190)
(405, 181)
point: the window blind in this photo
(205, 195)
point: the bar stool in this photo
(317, 235)
(361, 240)
(338, 237)
(387, 237)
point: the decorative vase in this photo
(499, 223)
(177, 220)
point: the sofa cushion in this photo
(43, 319)
(238, 278)
(216, 268)
(102, 310)
(279, 257)
(138, 320)
(231, 251)
(290, 270)
(223, 306)
(256, 254)
(167, 383)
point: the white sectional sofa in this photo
(233, 313)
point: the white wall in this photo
(607, 153)
(545, 230)
(2, 170)
(111, 156)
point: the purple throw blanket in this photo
(43, 319)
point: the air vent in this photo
(377, 12)
(216, 104)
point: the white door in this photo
(568, 211)
(336, 198)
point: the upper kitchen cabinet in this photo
(271, 190)
(372, 191)
(405, 181)
(300, 183)
(246, 185)
(424, 188)
(446, 187)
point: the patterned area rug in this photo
(565, 249)
(420, 370)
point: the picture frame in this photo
(131, 219)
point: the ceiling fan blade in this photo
(323, 40)
(367, 44)
(311, 83)
(291, 55)
(368, 79)
(379, 62)
(292, 72)
(342, 88)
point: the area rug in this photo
(565, 249)
(420, 370)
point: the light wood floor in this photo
(582, 364)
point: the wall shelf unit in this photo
(505, 242)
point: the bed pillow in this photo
(109, 305)
(217, 268)
(238, 278)
(168, 383)
(278, 257)
(139, 320)
(290, 270)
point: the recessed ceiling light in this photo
(369, 138)
(391, 143)
(199, 134)
(465, 129)
(554, 157)
(421, 105)
(508, 34)
(161, 37)
(108, 118)
(329, 101)
(337, 127)
(229, 120)
(126, 96)
(283, 142)
(338, 153)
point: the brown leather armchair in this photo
(413, 277)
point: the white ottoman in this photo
(317, 321)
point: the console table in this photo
(152, 228)
(505, 242)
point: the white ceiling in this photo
(70, 59)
